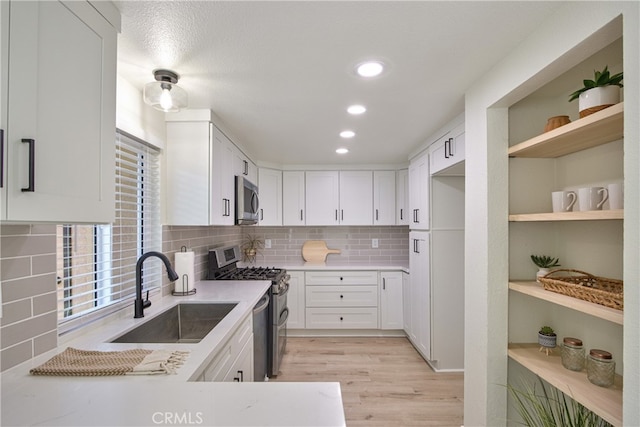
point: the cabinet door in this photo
(222, 180)
(243, 166)
(384, 198)
(420, 292)
(419, 193)
(402, 197)
(293, 198)
(242, 369)
(296, 300)
(270, 193)
(356, 198)
(61, 99)
(448, 152)
(391, 301)
(188, 154)
(406, 303)
(322, 191)
(4, 67)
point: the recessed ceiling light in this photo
(370, 68)
(356, 109)
(347, 134)
(342, 151)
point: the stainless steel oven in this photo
(223, 266)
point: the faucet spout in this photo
(140, 304)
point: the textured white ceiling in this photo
(280, 74)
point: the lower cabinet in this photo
(341, 299)
(391, 301)
(234, 362)
(296, 300)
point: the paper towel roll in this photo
(185, 267)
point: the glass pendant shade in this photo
(164, 94)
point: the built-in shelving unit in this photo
(606, 402)
(536, 290)
(597, 129)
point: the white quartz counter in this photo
(167, 399)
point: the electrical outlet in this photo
(374, 243)
(267, 243)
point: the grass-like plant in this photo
(550, 407)
(544, 261)
(601, 78)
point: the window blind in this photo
(96, 263)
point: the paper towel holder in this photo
(185, 282)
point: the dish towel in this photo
(74, 362)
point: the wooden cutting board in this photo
(316, 251)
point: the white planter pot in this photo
(542, 272)
(598, 98)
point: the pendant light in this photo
(164, 94)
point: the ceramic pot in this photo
(598, 98)
(547, 340)
(542, 272)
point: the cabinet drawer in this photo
(222, 362)
(342, 296)
(342, 318)
(341, 278)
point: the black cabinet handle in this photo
(1, 158)
(415, 216)
(261, 214)
(300, 214)
(336, 214)
(341, 318)
(341, 214)
(236, 379)
(384, 283)
(341, 296)
(450, 147)
(227, 207)
(401, 214)
(376, 214)
(341, 278)
(241, 376)
(32, 165)
(446, 148)
(246, 168)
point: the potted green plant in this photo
(544, 263)
(251, 247)
(547, 339)
(597, 94)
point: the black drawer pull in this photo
(341, 296)
(1, 158)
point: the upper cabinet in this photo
(48, 127)
(419, 192)
(384, 197)
(339, 198)
(200, 179)
(402, 197)
(356, 198)
(243, 166)
(293, 198)
(446, 155)
(270, 193)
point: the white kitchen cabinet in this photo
(235, 356)
(243, 166)
(296, 300)
(446, 155)
(293, 198)
(402, 197)
(420, 284)
(356, 198)
(341, 299)
(391, 300)
(200, 180)
(48, 47)
(406, 304)
(322, 201)
(384, 197)
(270, 196)
(419, 192)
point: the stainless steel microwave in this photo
(247, 202)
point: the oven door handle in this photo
(262, 304)
(286, 290)
(285, 314)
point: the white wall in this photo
(547, 53)
(135, 117)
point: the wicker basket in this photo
(599, 290)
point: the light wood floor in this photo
(384, 381)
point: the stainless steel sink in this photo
(183, 323)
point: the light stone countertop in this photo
(149, 400)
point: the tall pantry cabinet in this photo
(434, 304)
(47, 127)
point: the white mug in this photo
(592, 198)
(616, 196)
(563, 201)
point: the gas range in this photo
(223, 266)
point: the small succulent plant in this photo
(548, 331)
(544, 261)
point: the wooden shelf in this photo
(606, 402)
(568, 216)
(536, 290)
(596, 129)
